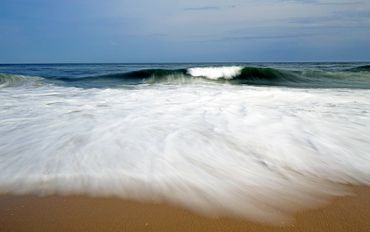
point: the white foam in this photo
(214, 73)
(261, 152)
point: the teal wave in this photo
(258, 76)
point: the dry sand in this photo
(81, 213)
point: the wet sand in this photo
(81, 213)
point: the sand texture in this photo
(81, 213)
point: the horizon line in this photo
(207, 62)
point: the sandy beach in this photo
(81, 213)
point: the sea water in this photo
(252, 140)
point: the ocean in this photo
(258, 140)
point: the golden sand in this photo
(81, 213)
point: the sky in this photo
(54, 31)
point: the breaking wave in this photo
(237, 75)
(259, 76)
(11, 80)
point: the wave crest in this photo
(236, 75)
(7, 80)
(13, 80)
(215, 73)
(232, 75)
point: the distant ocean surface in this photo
(254, 140)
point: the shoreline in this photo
(84, 213)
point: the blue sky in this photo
(38, 31)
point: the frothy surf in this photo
(215, 73)
(256, 152)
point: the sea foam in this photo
(255, 152)
(214, 73)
